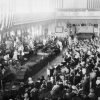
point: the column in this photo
(99, 33)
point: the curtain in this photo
(6, 13)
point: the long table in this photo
(36, 64)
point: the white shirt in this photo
(48, 72)
(44, 41)
(75, 40)
(70, 41)
(15, 55)
(84, 71)
(60, 44)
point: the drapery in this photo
(6, 13)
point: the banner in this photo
(84, 29)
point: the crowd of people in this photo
(76, 78)
(13, 49)
(16, 50)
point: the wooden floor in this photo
(43, 72)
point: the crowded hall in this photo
(49, 49)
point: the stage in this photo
(35, 64)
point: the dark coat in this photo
(98, 90)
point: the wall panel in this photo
(68, 4)
(74, 4)
(93, 4)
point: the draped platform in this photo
(36, 64)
